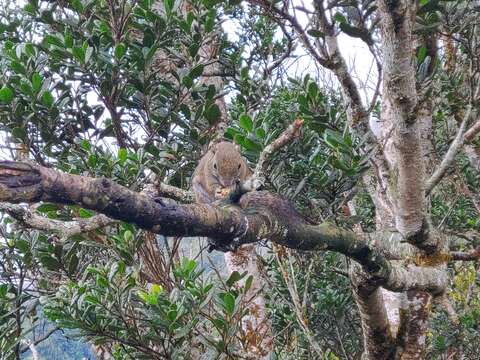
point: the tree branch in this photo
(258, 216)
(449, 157)
(292, 132)
(472, 132)
(175, 193)
(38, 341)
(471, 255)
(64, 229)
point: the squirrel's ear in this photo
(237, 147)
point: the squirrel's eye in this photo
(239, 166)
(215, 166)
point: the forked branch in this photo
(259, 215)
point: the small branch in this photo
(471, 255)
(285, 55)
(292, 132)
(257, 179)
(449, 157)
(38, 341)
(64, 229)
(280, 15)
(472, 132)
(161, 189)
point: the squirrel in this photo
(218, 171)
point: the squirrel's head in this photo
(227, 164)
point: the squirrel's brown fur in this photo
(218, 171)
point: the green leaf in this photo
(29, 49)
(79, 54)
(85, 145)
(92, 160)
(19, 133)
(172, 315)
(244, 73)
(128, 236)
(122, 155)
(47, 99)
(3, 290)
(210, 21)
(120, 50)
(228, 303)
(234, 277)
(23, 246)
(68, 40)
(101, 281)
(334, 139)
(339, 18)
(315, 33)
(312, 90)
(169, 5)
(187, 81)
(189, 265)
(239, 138)
(156, 290)
(85, 214)
(73, 264)
(219, 323)
(47, 207)
(50, 263)
(36, 82)
(29, 8)
(6, 95)
(26, 88)
(77, 5)
(422, 54)
(190, 18)
(251, 145)
(246, 122)
(9, 45)
(196, 71)
(92, 299)
(260, 133)
(193, 49)
(17, 67)
(356, 32)
(212, 113)
(248, 283)
(53, 40)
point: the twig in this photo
(257, 180)
(175, 193)
(292, 132)
(449, 157)
(30, 343)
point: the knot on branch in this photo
(19, 182)
(263, 216)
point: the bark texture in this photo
(257, 216)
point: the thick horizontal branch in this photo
(258, 215)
